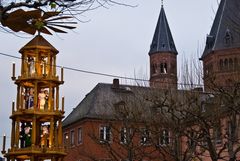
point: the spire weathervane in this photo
(162, 3)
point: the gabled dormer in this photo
(221, 55)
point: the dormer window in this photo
(171, 45)
(153, 45)
(209, 41)
(228, 37)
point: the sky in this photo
(113, 40)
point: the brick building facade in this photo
(94, 131)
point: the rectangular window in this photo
(145, 138)
(191, 139)
(72, 138)
(79, 135)
(164, 138)
(217, 135)
(105, 134)
(125, 135)
(65, 138)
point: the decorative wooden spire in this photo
(37, 119)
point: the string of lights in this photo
(100, 73)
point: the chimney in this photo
(115, 84)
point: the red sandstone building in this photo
(110, 122)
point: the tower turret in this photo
(163, 56)
(221, 56)
(37, 119)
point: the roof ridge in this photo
(167, 34)
(77, 108)
(220, 21)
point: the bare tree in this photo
(16, 14)
(181, 125)
(126, 134)
(208, 121)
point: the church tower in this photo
(36, 133)
(221, 57)
(163, 56)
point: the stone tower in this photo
(37, 119)
(163, 56)
(221, 57)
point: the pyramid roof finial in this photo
(162, 3)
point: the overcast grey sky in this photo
(114, 41)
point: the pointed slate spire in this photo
(225, 31)
(162, 39)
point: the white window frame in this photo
(164, 139)
(79, 134)
(72, 138)
(145, 136)
(106, 135)
(125, 134)
(65, 138)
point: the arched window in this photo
(221, 64)
(228, 37)
(230, 64)
(226, 64)
(163, 68)
(153, 69)
(235, 63)
(173, 68)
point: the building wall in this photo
(221, 68)
(163, 79)
(92, 149)
(220, 144)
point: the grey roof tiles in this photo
(225, 32)
(99, 102)
(162, 39)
